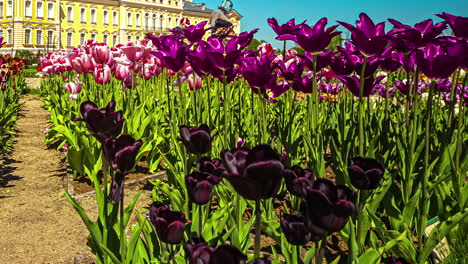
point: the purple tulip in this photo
(368, 38)
(316, 39)
(353, 83)
(195, 33)
(394, 260)
(365, 173)
(259, 73)
(200, 186)
(197, 140)
(169, 224)
(297, 179)
(255, 174)
(286, 31)
(411, 38)
(326, 207)
(171, 52)
(435, 63)
(213, 167)
(458, 24)
(457, 48)
(244, 38)
(295, 230)
(117, 185)
(121, 152)
(342, 65)
(227, 254)
(260, 261)
(102, 123)
(197, 251)
(222, 56)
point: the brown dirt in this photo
(38, 225)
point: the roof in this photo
(189, 6)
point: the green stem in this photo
(123, 236)
(320, 253)
(360, 206)
(424, 181)
(258, 217)
(458, 151)
(105, 171)
(361, 109)
(200, 220)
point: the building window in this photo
(27, 9)
(114, 17)
(169, 20)
(176, 22)
(129, 19)
(1, 9)
(83, 15)
(50, 37)
(10, 36)
(146, 21)
(137, 38)
(70, 14)
(161, 22)
(9, 9)
(137, 20)
(104, 38)
(69, 38)
(39, 10)
(93, 36)
(82, 38)
(129, 38)
(50, 11)
(93, 16)
(154, 22)
(114, 40)
(39, 37)
(106, 17)
(169, 2)
(27, 36)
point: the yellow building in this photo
(47, 25)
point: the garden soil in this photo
(37, 223)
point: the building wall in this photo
(27, 26)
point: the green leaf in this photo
(370, 257)
(115, 260)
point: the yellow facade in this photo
(47, 25)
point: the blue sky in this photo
(407, 11)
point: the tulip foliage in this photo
(365, 141)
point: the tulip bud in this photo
(197, 251)
(297, 179)
(197, 140)
(365, 173)
(121, 152)
(169, 224)
(295, 230)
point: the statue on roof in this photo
(219, 21)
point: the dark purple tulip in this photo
(411, 38)
(353, 83)
(200, 186)
(121, 152)
(323, 60)
(368, 38)
(297, 179)
(117, 185)
(197, 140)
(222, 56)
(244, 38)
(286, 31)
(389, 63)
(295, 230)
(227, 254)
(326, 207)
(259, 73)
(172, 52)
(342, 65)
(102, 123)
(213, 167)
(458, 24)
(197, 251)
(291, 70)
(303, 85)
(195, 33)
(255, 174)
(169, 224)
(435, 63)
(457, 48)
(365, 173)
(199, 60)
(316, 39)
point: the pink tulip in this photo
(101, 53)
(99, 71)
(194, 85)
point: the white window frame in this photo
(9, 11)
(93, 16)
(27, 36)
(70, 13)
(2, 7)
(9, 36)
(69, 39)
(138, 18)
(40, 9)
(129, 19)
(82, 38)
(50, 11)
(114, 40)
(105, 17)
(39, 37)
(28, 10)
(83, 15)
(115, 18)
